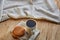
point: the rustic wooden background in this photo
(48, 30)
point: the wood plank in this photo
(48, 30)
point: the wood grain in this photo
(58, 3)
(48, 30)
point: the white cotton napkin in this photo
(37, 9)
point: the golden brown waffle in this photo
(18, 32)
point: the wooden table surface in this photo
(48, 30)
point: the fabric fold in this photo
(37, 9)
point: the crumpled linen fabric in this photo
(37, 9)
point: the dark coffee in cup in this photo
(31, 24)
